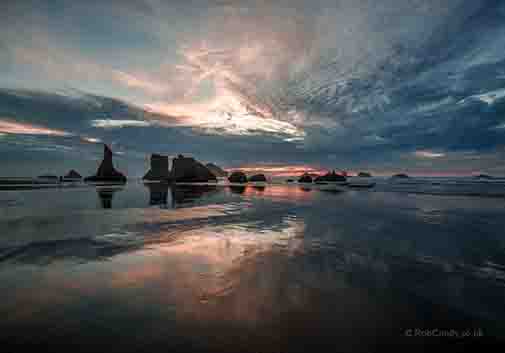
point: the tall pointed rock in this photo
(106, 171)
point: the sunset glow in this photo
(11, 127)
(280, 170)
(251, 175)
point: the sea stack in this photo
(189, 170)
(401, 176)
(330, 177)
(106, 171)
(158, 193)
(364, 175)
(305, 178)
(258, 178)
(483, 176)
(72, 176)
(159, 168)
(216, 170)
(237, 177)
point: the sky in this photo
(285, 86)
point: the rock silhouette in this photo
(106, 196)
(305, 178)
(400, 176)
(483, 176)
(364, 175)
(258, 178)
(158, 194)
(189, 170)
(159, 168)
(216, 170)
(330, 177)
(237, 177)
(237, 189)
(106, 171)
(71, 176)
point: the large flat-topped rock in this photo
(189, 170)
(216, 170)
(159, 168)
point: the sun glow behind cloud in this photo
(321, 79)
(234, 103)
(226, 115)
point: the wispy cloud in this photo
(295, 81)
(500, 126)
(133, 81)
(225, 115)
(429, 154)
(91, 139)
(118, 124)
(488, 97)
(12, 127)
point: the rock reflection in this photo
(106, 196)
(158, 194)
(279, 192)
(259, 187)
(238, 189)
(280, 267)
(188, 194)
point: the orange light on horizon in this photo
(279, 170)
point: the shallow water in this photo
(254, 269)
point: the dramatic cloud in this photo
(225, 116)
(110, 123)
(141, 83)
(91, 139)
(415, 85)
(11, 127)
(428, 154)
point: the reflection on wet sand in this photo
(106, 195)
(158, 194)
(230, 288)
(145, 228)
(180, 195)
(259, 187)
(186, 194)
(278, 192)
(272, 270)
(238, 189)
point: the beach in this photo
(269, 268)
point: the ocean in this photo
(274, 268)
